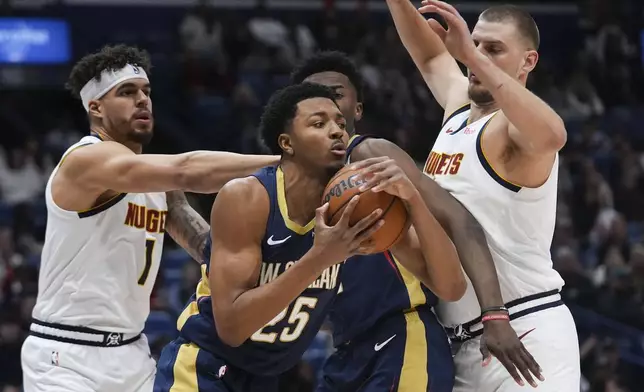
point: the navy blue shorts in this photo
(406, 352)
(185, 367)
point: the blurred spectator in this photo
(231, 61)
(21, 179)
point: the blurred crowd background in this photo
(215, 64)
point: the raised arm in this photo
(112, 166)
(533, 126)
(239, 306)
(186, 226)
(438, 68)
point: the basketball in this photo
(344, 185)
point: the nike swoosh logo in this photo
(379, 346)
(272, 242)
(526, 334)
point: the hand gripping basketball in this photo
(341, 241)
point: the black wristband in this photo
(495, 309)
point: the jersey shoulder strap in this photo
(353, 143)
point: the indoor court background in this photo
(214, 67)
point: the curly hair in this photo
(330, 61)
(108, 58)
(281, 109)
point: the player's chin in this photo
(142, 134)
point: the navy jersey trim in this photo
(456, 113)
(488, 167)
(102, 207)
(354, 142)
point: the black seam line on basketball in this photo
(401, 232)
(358, 194)
(393, 200)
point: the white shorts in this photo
(553, 343)
(53, 366)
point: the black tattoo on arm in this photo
(186, 226)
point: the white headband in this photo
(96, 90)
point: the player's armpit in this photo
(112, 166)
(459, 224)
(186, 226)
(240, 307)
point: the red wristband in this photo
(493, 317)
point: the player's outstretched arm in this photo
(186, 226)
(425, 250)
(240, 307)
(533, 126)
(438, 68)
(459, 224)
(469, 238)
(112, 166)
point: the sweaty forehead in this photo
(329, 78)
(310, 106)
(504, 31)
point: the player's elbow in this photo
(229, 332)
(451, 290)
(558, 136)
(454, 289)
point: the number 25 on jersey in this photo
(297, 320)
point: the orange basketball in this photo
(343, 186)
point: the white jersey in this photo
(98, 266)
(518, 222)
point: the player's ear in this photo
(284, 141)
(530, 60)
(95, 109)
(359, 109)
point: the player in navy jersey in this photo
(272, 281)
(385, 332)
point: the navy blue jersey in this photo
(374, 287)
(280, 344)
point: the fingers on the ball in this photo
(365, 163)
(367, 221)
(348, 210)
(366, 234)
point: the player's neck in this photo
(478, 111)
(102, 134)
(303, 192)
